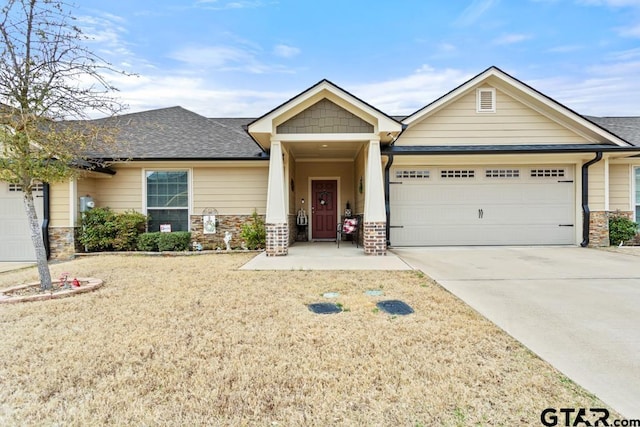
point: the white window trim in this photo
(634, 201)
(479, 92)
(189, 189)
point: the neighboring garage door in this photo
(15, 238)
(471, 205)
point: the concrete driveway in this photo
(577, 308)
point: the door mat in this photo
(395, 307)
(325, 308)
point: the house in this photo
(493, 162)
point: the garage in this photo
(14, 228)
(482, 205)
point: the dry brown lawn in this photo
(193, 341)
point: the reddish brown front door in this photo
(324, 207)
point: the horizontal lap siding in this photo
(596, 187)
(59, 205)
(121, 192)
(512, 123)
(232, 191)
(619, 190)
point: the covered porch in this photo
(324, 165)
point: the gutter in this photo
(45, 218)
(586, 218)
(387, 192)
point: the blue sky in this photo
(241, 58)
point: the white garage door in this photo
(15, 238)
(470, 205)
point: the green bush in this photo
(254, 233)
(177, 241)
(105, 230)
(129, 226)
(621, 229)
(98, 229)
(148, 242)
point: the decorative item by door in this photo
(324, 209)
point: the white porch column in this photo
(375, 216)
(276, 216)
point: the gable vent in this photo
(486, 100)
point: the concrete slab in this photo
(10, 266)
(576, 308)
(326, 256)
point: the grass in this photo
(194, 341)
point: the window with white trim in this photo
(486, 100)
(17, 188)
(168, 199)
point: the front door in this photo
(324, 208)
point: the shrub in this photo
(254, 233)
(148, 242)
(177, 241)
(98, 229)
(621, 229)
(129, 226)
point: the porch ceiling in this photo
(324, 149)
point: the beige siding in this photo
(512, 123)
(596, 187)
(59, 205)
(121, 192)
(294, 200)
(232, 191)
(359, 173)
(619, 188)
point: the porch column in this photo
(375, 217)
(276, 217)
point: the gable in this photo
(325, 117)
(463, 121)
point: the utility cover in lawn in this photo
(395, 307)
(325, 308)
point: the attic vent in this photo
(547, 173)
(486, 100)
(412, 174)
(16, 187)
(457, 173)
(502, 173)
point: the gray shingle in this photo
(627, 128)
(177, 133)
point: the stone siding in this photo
(375, 238)
(325, 117)
(232, 223)
(277, 239)
(62, 243)
(599, 227)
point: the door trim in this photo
(310, 194)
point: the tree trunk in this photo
(38, 243)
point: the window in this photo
(457, 173)
(502, 173)
(486, 100)
(547, 173)
(412, 174)
(16, 187)
(168, 199)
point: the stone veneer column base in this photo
(277, 239)
(599, 226)
(62, 242)
(375, 238)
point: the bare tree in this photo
(49, 84)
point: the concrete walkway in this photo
(10, 266)
(326, 256)
(576, 308)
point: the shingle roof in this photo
(176, 133)
(627, 128)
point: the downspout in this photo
(45, 218)
(387, 204)
(585, 199)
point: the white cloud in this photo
(633, 31)
(474, 11)
(511, 39)
(218, 5)
(225, 58)
(285, 51)
(611, 3)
